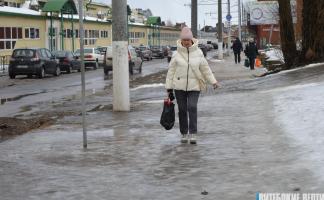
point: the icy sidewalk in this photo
(245, 145)
(4, 70)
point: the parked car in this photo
(108, 60)
(102, 50)
(33, 61)
(215, 45)
(209, 47)
(146, 51)
(67, 61)
(135, 61)
(165, 50)
(203, 49)
(157, 52)
(139, 52)
(171, 52)
(92, 57)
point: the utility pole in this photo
(81, 32)
(194, 10)
(239, 20)
(229, 25)
(121, 101)
(220, 31)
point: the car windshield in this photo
(173, 48)
(23, 53)
(85, 51)
(60, 53)
(142, 48)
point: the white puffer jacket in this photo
(180, 74)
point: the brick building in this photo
(270, 33)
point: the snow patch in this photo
(154, 85)
(23, 10)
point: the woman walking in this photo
(188, 72)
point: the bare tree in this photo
(287, 34)
(313, 30)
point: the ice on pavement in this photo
(300, 113)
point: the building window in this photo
(9, 36)
(90, 37)
(32, 33)
(104, 34)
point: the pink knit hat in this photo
(186, 33)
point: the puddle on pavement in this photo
(16, 98)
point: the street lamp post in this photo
(239, 20)
(194, 10)
(220, 31)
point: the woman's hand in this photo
(216, 85)
(170, 94)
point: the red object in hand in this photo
(167, 101)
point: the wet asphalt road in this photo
(26, 92)
(261, 135)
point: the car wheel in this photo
(12, 76)
(57, 71)
(41, 73)
(69, 70)
(106, 72)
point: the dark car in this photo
(67, 61)
(157, 52)
(29, 61)
(203, 49)
(171, 52)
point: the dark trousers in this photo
(252, 60)
(187, 103)
(237, 57)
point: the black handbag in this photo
(246, 63)
(168, 116)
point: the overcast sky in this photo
(176, 11)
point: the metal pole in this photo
(121, 99)
(81, 33)
(72, 32)
(229, 26)
(239, 20)
(194, 9)
(62, 31)
(51, 31)
(220, 31)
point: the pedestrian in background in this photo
(187, 75)
(251, 51)
(237, 48)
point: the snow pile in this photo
(274, 55)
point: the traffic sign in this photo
(228, 17)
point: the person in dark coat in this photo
(251, 51)
(237, 48)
